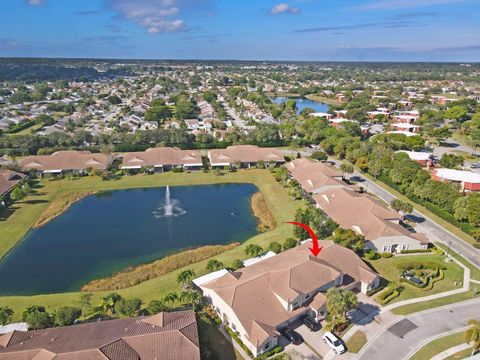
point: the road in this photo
(236, 119)
(400, 339)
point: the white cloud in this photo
(403, 4)
(284, 8)
(157, 16)
(34, 2)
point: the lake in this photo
(303, 103)
(109, 231)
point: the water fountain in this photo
(169, 207)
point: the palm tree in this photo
(347, 169)
(472, 335)
(214, 265)
(170, 298)
(253, 250)
(190, 298)
(109, 301)
(185, 276)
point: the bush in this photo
(477, 245)
(277, 349)
(415, 265)
(386, 255)
(239, 341)
(387, 295)
(371, 255)
(414, 251)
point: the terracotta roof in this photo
(8, 179)
(362, 213)
(245, 154)
(253, 292)
(66, 160)
(314, 176)
(125, 339)
(161, 156)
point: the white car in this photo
(334, 342)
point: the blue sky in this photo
(360, 30)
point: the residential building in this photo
(247, 155)
(469, 181)
(423, 158)
(259, 300)
(166, 336)
(8, 180)
(65, 161)
(162, 159)
(368, 217)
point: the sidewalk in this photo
(449, 352)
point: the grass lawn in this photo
(460, 355)
(356, 342)
(452, 228)
(438, 345)
(425, 305)
(387, 268)
(51, 196)
(474, 271)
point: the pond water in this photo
(107, 232)
(303, 103)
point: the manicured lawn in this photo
(452, 228)
(52, 194)
(437, 346)
(356, 342)
(388, 269)
(425, 305)
(474, 271)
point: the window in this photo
(307, 296)
(386, 248)
(267, 345)
(233, 327)
(404, 247)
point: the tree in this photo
(451, 161)
(214, 265)
(472, 335)
(339, 302)
(37, 317)
(109, 301)
(190, 298)
(275, 247)
(158, 113)
(253, 250)
(6, 314)
(456, 113)
(128, 307)
(185, 276)
(473, 209)
(170, 298)
(20, 192)
(290, 243)
(347, 169)
(237, 264)
(348, 238)
(85, 303)
(66, 315)
(401, 207)
(114, 100)
(156, 306)
(319, 155)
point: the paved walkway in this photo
(450, 352)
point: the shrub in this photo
(386, 255)
(277, 349)
(387, 295)
(371, 254)
(415, 265)
(235, 336)
(414, 251)
(477, 245)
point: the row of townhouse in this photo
(353, 210)
(157, 159)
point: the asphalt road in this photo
(398, 340)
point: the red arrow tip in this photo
(315, 251)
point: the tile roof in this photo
(245, 154)
(166, 336)
(8, 179)
(66, 160)
(161, 156)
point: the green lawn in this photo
(356, 342)
(474, 271)
(425, 305)
(460, 355)
(438, 345)
(387, 268)
(53, 193)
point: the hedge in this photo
(234, 336)
(412, 265)
(428, 280)
(415, 251)
(277, 349)
(19, 127)
(388, 295)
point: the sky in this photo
(311, 30)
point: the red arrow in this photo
(316, 249)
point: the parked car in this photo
(292, 336)
(334, 342)
(311, 323)
(475, 165)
